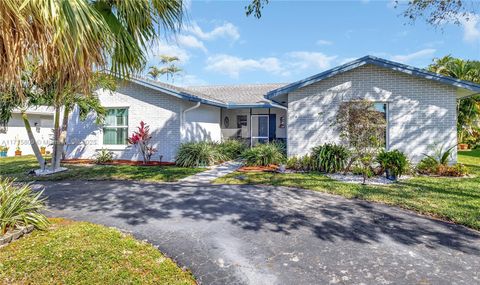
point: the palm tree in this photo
(71, 38)
(169, 69)
(468, 109)
(154, 72)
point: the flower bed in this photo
(119, 162)
(268, 168)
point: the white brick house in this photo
(420, 108)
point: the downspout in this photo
(182, 123)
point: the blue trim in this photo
(378, 62)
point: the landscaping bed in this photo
(119, 162)
(71, 252)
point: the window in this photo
(383, 108)
(115, 130)
(241, 121)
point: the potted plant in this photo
(18, 151)
(462, 146)
(3, 151)
(394, 163)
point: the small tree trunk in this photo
(62, 136)
(33, 142)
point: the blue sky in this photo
(220, 45)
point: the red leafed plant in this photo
(141, 139)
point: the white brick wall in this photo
(161, 111)
(421, 112)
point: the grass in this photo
(17, 167)
(84, 253)
(453, 199)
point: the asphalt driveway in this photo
(230, 234)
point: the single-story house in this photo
(14, 134)
(419, 107)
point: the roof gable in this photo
(378, 62)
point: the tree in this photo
(154, 72)
(169, 69)
(72, 38)
(361, 127)
(437, 12)
(468, 109)
(255, 7)
(141, 139)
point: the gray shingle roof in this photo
(237, 94)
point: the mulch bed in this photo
(119, 162)
(270, 168)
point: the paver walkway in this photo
(213, 173)
(234, 234)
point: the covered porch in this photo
(254, 124)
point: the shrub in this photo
(141, 139)
(456, 170)
(437, 164)
(231, 149)
(329, 157)
(20, 207)
(195, 154)
(395, 160)
(103, 156)
(293, 163)
(264, 154)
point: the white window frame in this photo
(251, 129)
(116, 146)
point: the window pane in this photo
(115, 136)
(109, 136)
(122, 117)
(381, 107)
(110, 117)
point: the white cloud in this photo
(307, 60)
(227, 30)
(162, 48)
(232, 65)
(416, 55)
(296, 61)
(470, 24)
(190, 41)
(324, 43)
(189, 80)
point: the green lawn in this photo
(453, 199)
(83, 253)
(17, 167)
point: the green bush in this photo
(231, 149)
(265, 154)
(329, 158)
(195, 154)
(103, 156)
(302, 163)
(395, 160)
(20, 207)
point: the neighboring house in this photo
(420, 108)
(14, 133)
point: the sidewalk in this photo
(213, 173)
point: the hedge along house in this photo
(419, 107)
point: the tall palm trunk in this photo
(56, 139)
(32, 140)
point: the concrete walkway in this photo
(213, 173)
(245, 234)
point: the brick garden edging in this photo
(14, 235)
